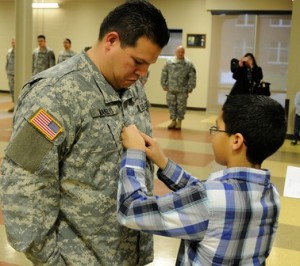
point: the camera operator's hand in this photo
(246, 61)
(242, 62)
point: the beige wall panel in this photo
(249, 5)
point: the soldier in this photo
(10, 70)
(61, 166)
(66, 53)
(43, 57)
(178, 78)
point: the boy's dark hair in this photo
(260, 119)
(135, 19)
(41, 36)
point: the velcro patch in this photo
(29, 148)
(46, 124)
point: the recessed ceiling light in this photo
(45, 5)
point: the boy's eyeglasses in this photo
(213, 130)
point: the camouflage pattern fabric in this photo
(59, 196)
(10, 71)
(179, 77)
(11, 85)
(10, 62)
(177, 104)
(64, 55)
(42, 60)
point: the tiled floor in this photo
(191, 148)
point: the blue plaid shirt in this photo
(230, 219)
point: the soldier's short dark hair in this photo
(41, 36)
(135, 19)
(68, 40)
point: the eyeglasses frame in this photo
(215, 129)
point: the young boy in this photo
(230, 219)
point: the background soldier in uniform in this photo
(178, 78)
(61, 166)
(43, 57)
(66, 53)
(10, 70)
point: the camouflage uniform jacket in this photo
(59, 196)
(42, 60)
(10, 62)
(178, 75)
(64, 55)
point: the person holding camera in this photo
(246, 73)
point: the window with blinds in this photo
(267, 36)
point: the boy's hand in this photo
(154, 152)
(132, 139)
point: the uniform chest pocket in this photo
(102, 134)
(98, 140)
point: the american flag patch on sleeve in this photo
(46, 124)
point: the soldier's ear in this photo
(112, 38)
